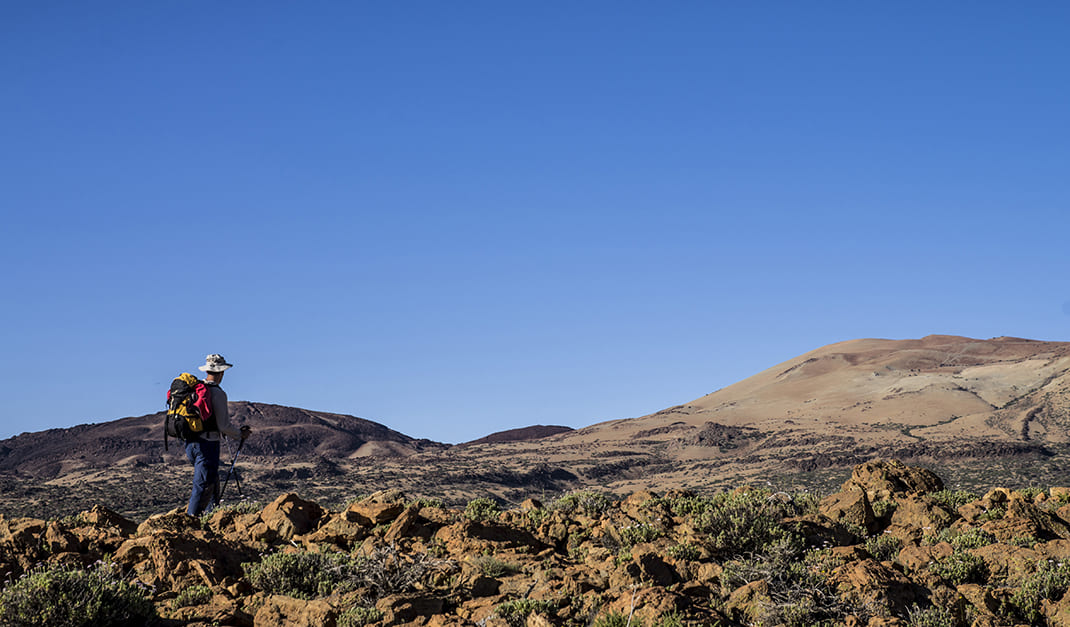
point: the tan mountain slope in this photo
(938, 387)
(936, 399)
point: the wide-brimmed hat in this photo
(215, 363)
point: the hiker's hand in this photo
(245, 431)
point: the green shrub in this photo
(824, 561)
(193, 595)
(427, 501)
(536, 517)
(1031, 493)
(972, 539)
(1058, 500)
(884, 548)
(358, 616)
(482, 509)
(960, 567)
(59, 595)
(589, 502)
(615, 619)
(672, 619)
(744, 521)
(804, 503)
(944, 535)
(1028, 541)
(1049, 581)
(516, 612)
(638, 533)
(241, 507)
(686, 551)
(799, 594)
(961, 539)
(931, 617)
(302, 575)
(494, 567)
(996, 513)
(350, 502)
(884, 508)
(954, 498)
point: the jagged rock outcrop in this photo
(880, 479)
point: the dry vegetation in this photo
(892, 547)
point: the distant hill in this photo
(522, 434)
(278, 432)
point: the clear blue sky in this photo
(456, 218)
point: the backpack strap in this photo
(203, 402)
(165, 418)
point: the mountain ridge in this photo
(962, 406)
(280, 431)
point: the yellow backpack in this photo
(189, 408)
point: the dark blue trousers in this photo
(204, 455)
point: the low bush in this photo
(884, 548)
(954, 498)
(639, 533)
(884, 508)
(960, 567)
(191, 596)
(931, 617)
(686, 551)
(1049, 581)
(972, 539)
(494, 567)
(386, 571)
(482, 509)
(58, 595)
(672, 619)
(358, 616)
(536, 517)
(1027, 541)
(615, 619)
(961, 539)
(516, 612)
(302, 575)
(1031, 493)
(744, 521)
(305, 575)
(426, 501)
(241, 507)
(799, 593)
(589, 502)
(1057, 500)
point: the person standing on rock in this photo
(203, 451)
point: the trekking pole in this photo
(232, 472)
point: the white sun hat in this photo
(215, 363)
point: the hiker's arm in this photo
(222, 416)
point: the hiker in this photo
(203, 450)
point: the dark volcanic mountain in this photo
(279, 432)
(522, 434)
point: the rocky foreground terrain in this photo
(891, 547)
